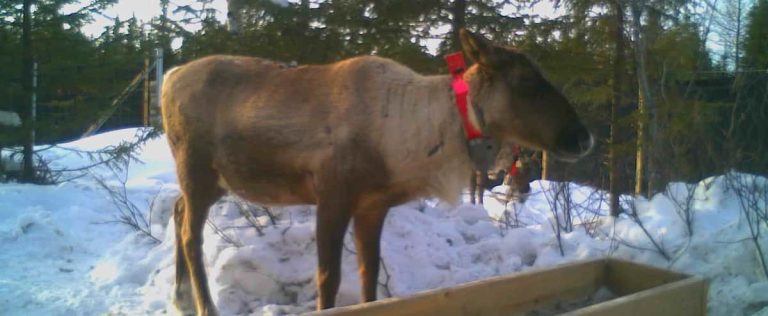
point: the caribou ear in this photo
(478, 48)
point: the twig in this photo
(223, 235)
(634, 216)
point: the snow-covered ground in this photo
(61, 253)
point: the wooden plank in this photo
(644, 290)
(624, 277)
(106, 114)
(686, 297)
(498, 296)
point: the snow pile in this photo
(52, 238)
(60, 262)
(720, 246)
(49, 240)
(424, 246)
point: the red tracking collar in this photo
(513, 169)
(457, 67)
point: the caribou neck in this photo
(434, 143)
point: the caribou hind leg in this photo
(182, 295)
(198, 182)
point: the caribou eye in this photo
(523, 84)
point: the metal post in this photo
(159, 74)
(145, 105)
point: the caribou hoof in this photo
(183, 301)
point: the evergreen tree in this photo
(52, 40)
(756, 41)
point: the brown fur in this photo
(519, 185)
(355, 138)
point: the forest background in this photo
(675, 90)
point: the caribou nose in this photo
(586, 142)
(574, 142)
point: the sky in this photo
(144, 10)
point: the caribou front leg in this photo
(473, 187)
(368, 223)
(333, 214)
(351, 172)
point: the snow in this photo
(62, 253)
(9, 119)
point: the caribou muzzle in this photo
(573, 143)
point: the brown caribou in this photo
(355, 138)
(512, 167)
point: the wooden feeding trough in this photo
(594, 287)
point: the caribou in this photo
(513, 168)
(354, 138)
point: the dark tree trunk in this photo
(618, 70)
(459, 12)
(25, 107)
(303, 34)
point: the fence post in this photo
(159, 74)
(147, 99)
